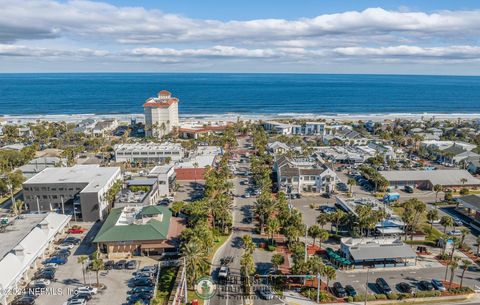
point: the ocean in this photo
(239, 94)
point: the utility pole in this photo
(38, 206)
(318, 287)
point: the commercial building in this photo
(377, 253)
(150, 231)
(194, 130)
(166, 178)
(148, 152)
(24, 243)
(39, 164)
(161, 114)
(84, 185)
(426, 179)
(138, 192)
(298, 175)
(194, 167)
(307, 129)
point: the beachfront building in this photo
(377, 253)
(161, 114)
(134, 230)
(104, 127)
(427, 179)
(194, 130)
(298, 175)
(25, 242)
(306, 129)
(148, 152)
(84, 185)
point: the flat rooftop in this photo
(95, 176)
(445, 177)
(17, 230)
(166, 146)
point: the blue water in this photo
(116, 93)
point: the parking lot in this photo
(69, 276)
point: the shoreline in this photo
(231, 117)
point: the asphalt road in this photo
(231, 293)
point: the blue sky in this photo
(312, 36)
(253, 9)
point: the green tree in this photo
(314, 232)
(17, 207)
(446, 221)
(177, 207)
(466, 263)
(323, 219)
(336, 217)
(323, 236)
(96, 266)
(351, 182)
(272, 227)
(196, 261)
(432, 216)
(453, 265)
(248, 243)
(277, 260)
(82, 260)
(330, 273)
(437, 188)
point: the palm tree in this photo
(17, 207)
(322, 219)
(277, 260)
(97, 266)
(336, 218)
(351, 182)
(465, 264)
(323, 236)
(453, 264)
(463, 181)
(177, 207)
(82, 260)
(195, 166)
(446, 221)
(314, 232)
(330, 273)
(432, 216)
(465, 232)
(437, 188)
(196, 260)
(248, 243)
(273, 225)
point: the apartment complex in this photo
(161, 114)
(298, 175)
(308, 129)
(148, 152)
(85, 185)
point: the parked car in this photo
(145, 295)
(85, 296)
(120, 264)
(339, 290)
(55, 260)
(266, 293)
(143, 274)
(76, 231)
(45, 275)
(350, 291)
(457, 222)
(51, 265)
(24, 300)
(247, 195)
(437, 284)
(142, 282)
(42, 282)
(140, 289)
(404, 287)
(109, 265)
(132, 264)
(425, 285)
(65, 246)
(383, 285)
(151, 269)
(72, 240)
(85, 289)
(408, 189)
(76, 302)
(455, 232)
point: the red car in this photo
(76, 231)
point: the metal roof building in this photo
(426, 179)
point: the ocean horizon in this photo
(244, 94)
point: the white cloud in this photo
(21, 50)
(450, 52)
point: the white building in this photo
(148, 152)
(298, 175)
(307, 129)
(166, 177)
(25, 242)
(161, 114)
(85, 185)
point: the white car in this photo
(65, 247)
(455, 233)
(51, 265)
(436, 221)
(76, 302)
(86, 289)
(39, 282)
(223, 273)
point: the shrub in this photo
(430, 243)
(349, 299)
(427, 294)
(392, 296)
(448, 196)
(463, 290)
(380, 296)
(464, 191)
(271, 248)
(361, 297)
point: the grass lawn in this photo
(6, 197)
(218, 243)
(165, 284)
